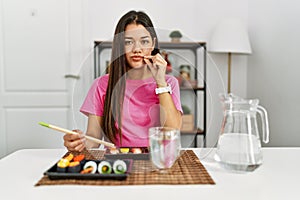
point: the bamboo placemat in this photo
(187, 170)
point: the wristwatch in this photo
(161, 90)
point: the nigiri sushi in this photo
(113, 150)
(136, 150)
(124, 150)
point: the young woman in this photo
(135, 95)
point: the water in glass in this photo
(164, 146)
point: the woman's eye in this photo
(145, 42)
(128, 42)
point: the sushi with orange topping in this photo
(74, 167)
(89, 167)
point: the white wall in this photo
(274, 69)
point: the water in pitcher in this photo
(239, 151)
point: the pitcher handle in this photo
(265, 123)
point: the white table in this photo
(277, 178)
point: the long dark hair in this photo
(114, 98)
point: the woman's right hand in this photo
(75, 142)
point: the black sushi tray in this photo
(54, 174)
(143, 153)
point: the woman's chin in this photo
(138, 66)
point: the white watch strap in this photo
(163, 90)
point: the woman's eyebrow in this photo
(143, 37)
(126, 37)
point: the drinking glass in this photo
(165, 146)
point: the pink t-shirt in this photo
(140, 108)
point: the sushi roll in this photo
(89, 167)
(62, 165)
(104, 167)
(119, 167)
(74, 167)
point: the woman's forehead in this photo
(136, 31)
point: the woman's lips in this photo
(137, 58)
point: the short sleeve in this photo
(175, 92)
(94, 101)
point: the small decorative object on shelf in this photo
(169, 65)
(187, 119)
(175, 36)
(185, 77)
(185, 72)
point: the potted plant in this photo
(175, 36)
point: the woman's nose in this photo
(137, 47)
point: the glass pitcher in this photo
(239, 146)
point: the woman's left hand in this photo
(158, 68)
